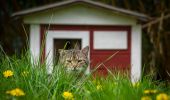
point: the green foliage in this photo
(38, 85)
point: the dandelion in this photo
(99, 87)
(16, 92)
(24, 73)
(68, 95)
(150, 91)
(162, 96)
(7, 73)
(146, 98)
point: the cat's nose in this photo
(74, 65)
(75, 69)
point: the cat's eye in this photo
(79, 60)
(69, 61)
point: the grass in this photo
(36, 84)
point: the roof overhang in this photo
(139, 16)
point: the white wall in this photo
(136, 56)
(79, 15)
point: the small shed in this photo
(113, 34)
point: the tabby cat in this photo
(74, 60)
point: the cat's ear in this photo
(85, 50)
(61, 51)
(77, 46)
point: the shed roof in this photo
(137, 15)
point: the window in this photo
(107, 40)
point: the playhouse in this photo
(113, 34)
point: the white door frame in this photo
(63, 34)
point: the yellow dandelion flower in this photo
(8, 73)
(162, 96)
(146, 98)
(99, 87)
(150, 91)
(24, 73)
(16, 92)
(68, 95)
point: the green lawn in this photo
(19, 79)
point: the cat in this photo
(74, 60)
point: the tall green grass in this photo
(38, 85)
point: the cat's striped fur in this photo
(74, 60)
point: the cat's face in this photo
(74, 60)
